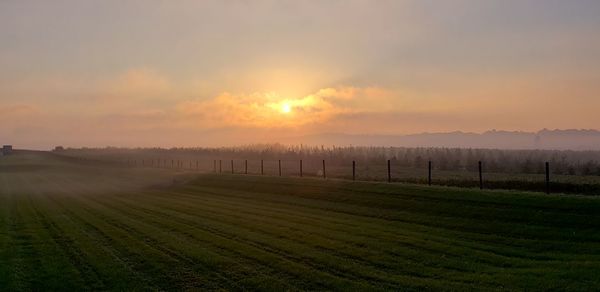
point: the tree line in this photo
(450, 159)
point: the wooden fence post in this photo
(389, 171)
(547, 177)
(324, 173)
(262, 167)
(232, 166)
(300, 167)
(480, 175)
(246, 166)
(353, 169)
(429, 173)
(220, 166)
(280, 167)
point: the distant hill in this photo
(544, 139)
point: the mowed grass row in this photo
(76, 226)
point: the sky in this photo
(208, 73)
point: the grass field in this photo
(67, 224)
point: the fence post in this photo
(279, 161)
(262, 167)
(429, 173)
(220, 166)
(480, 176)
(231, 166)
(389, 171)
(197, 165)
(172, 163)
(324, 173)
(353, 170)
(246, 166)
(300, 167)
(547, 177)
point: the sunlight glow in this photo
(286, 108)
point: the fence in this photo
(351, 171)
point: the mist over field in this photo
(289, 145)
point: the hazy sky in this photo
(183, 73)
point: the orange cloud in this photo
(267, 109)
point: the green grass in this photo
(68, 224)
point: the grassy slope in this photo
(68, 225)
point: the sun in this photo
(286, 108)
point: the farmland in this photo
(75, 224)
